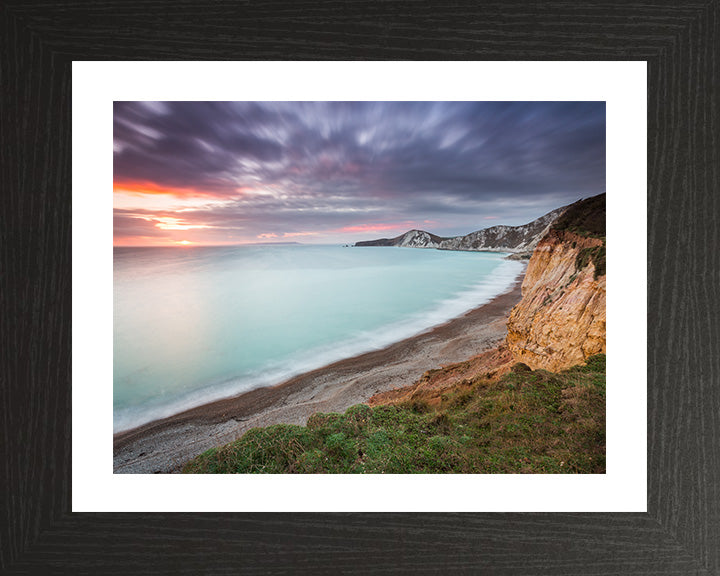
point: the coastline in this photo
(163, 446)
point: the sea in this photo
(196, 324)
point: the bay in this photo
(195, 324)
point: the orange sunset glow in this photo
(152, 188)
(217, 173)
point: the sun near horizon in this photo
(225, 173)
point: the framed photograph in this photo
(333, 171)
(653, 510)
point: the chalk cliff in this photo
(514, 239)
(410, 239)
(504, 238)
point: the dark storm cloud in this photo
(326, 163)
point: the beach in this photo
(163, 446)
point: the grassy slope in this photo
(585, 217)
(525, 422)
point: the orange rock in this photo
(560, 320)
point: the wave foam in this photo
(499, 282)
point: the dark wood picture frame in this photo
(680, 533)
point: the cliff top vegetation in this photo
(586, 217)
(524, 422)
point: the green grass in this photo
(526, 422)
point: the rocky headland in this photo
(510, 239)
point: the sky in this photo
(211, 173)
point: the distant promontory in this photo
(515, 239)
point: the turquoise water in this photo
(196, 324)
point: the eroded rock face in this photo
(560, 320)
(419, 239)
(513, 239)
(505, 238)
(411, 239)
